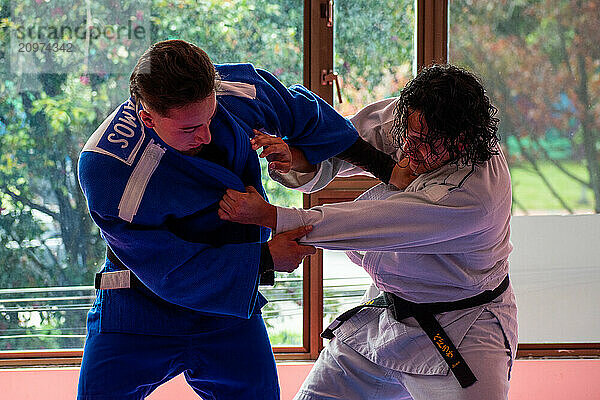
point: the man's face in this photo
(421, 155)
(185, 129)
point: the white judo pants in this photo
(342, 373)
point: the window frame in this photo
(431, 45)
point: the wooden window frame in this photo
(431, 46)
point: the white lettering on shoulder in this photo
(128, 118)
(119, 129)
(119, 136)
(114, 139)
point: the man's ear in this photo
(147, 119)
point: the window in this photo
(59, 80)
(540, 66)
(539, 62)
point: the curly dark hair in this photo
(172, 74)
(456, 111)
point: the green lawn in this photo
(530, 191)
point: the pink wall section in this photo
(531, 380)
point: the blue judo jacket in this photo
(157, 208)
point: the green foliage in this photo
(267, 34)
(373, 50)
(553, 144)
(369, 44)
(46, 235)
(286, 338)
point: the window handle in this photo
(327, 78)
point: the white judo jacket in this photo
(444, 238)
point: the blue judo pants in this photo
(226, 364)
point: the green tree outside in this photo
(539, 60)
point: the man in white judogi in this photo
(443, 238)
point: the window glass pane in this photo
(283, 314)
(539, 62)
(373, 55)
(344, 284)
(555, 270)
(373, 50)
(57, 84)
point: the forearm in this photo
(367, 157)
(311, 182)
(386, 225)
(306, 120)
(266, 268)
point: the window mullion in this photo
(431, 32)
(318, 39)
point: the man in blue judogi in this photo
(179, 289)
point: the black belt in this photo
(424, 314)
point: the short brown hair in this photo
(172, 74)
